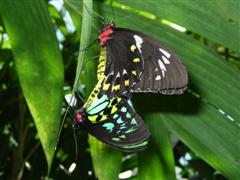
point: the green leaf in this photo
(215, 20)
(196, 121)
(38, 63)
(106, 160)
(214, 138)
(74, 7)
(84, 40)
(157, 161)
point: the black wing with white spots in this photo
(137, 63)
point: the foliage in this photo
(203, 124)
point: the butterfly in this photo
(114, 122)
(135, 62)
(130, 61)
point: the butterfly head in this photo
(106, 33)
(79, 116)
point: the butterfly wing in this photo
(122, 66)
(114, 122)
(137, 63)
(163, 70)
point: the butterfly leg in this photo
(75, 125)
(79, 96)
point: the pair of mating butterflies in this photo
(129, 62)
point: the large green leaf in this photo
(211, 136)
(201, 127)
(157, 161)
(215, 20)
(217, 83)
(106, 160)
(38, 63)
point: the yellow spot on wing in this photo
(106, 86)
(115, 88)
(114, 109)
(133, 47)
(136, 60)
(126, 82)
(92, 118)
(134, 72)
(104, 117)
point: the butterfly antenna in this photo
(60, 130)
(94, 14)
(84, 49)
(76, 143)
(113, 13)
(94, 57)
(80, 97)
(72, 99)
(128, 16)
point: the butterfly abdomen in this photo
(100, 77)
(102, 64)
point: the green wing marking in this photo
(114, 122)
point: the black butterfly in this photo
(135, 62)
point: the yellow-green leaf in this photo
(39, 65)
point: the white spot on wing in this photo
(118, 75)
(167, 54)
(163, 73)
(71, 99)
(158, 77)
(165, 60)
(124, 71)
(111, 73)
(139, 41)
(162, 67)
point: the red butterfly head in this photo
(79, 117)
